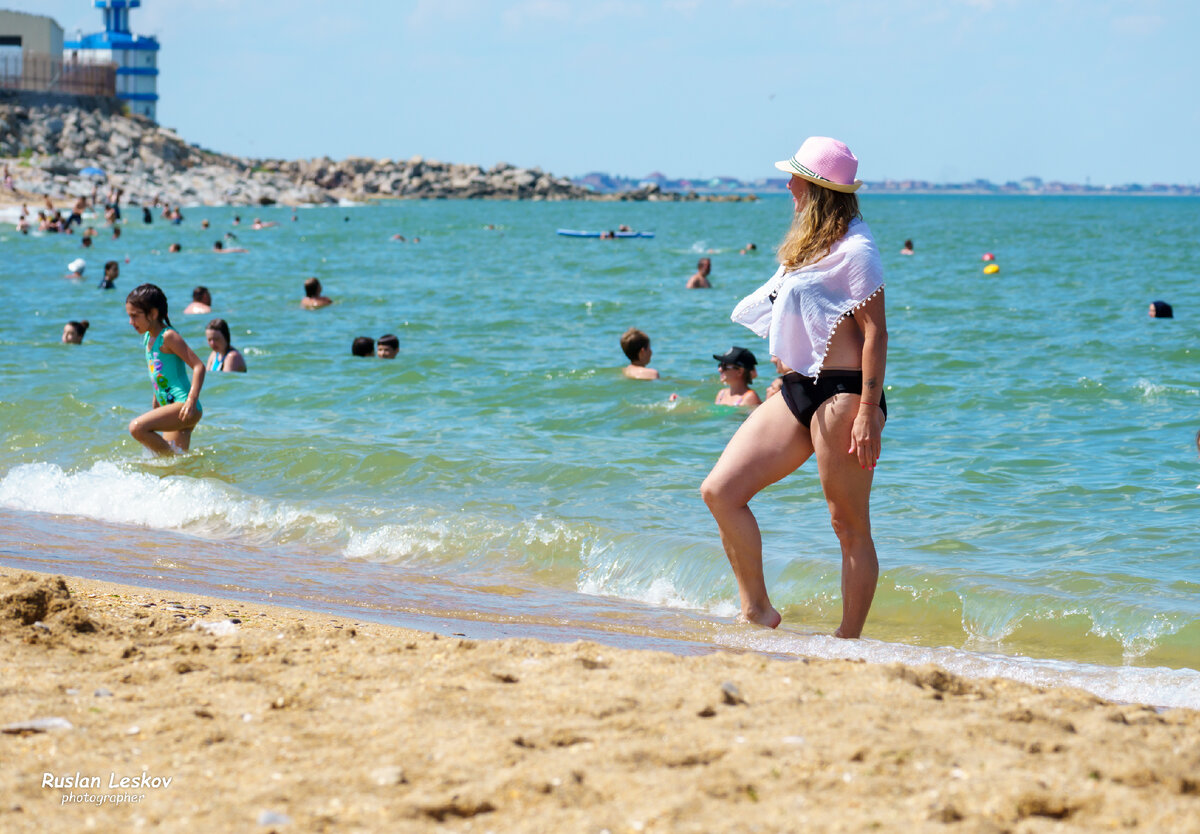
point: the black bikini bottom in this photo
(804, 395)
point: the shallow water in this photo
(1035, 508)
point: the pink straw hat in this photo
(824, 161)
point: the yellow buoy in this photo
(991, 269)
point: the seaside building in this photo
(135, 56)
(22, 34)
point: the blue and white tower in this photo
(136, 56)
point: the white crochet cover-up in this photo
(810, 302)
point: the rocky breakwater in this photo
(48, 147)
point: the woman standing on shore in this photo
(824, 314)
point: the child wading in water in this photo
(176, 409)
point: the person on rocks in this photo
(823, 312)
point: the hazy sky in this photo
(943, 90)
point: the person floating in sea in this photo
(219, 249)
(362, 346)
(225, 357)
(73, 332)
(258, 224)
(636, 346)
(699, 281)
(1161, 310)
(908, 247)
(388, 346)
(737, 369)
(312, 295)
(174, 248)
(201, 302)
(749, 248)
(167, 426)
(75, 269)
(112, 271)
(823, 311)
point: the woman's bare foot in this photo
(768, 617)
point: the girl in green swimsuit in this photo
(167, 426)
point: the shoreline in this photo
(343, 725)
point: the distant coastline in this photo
(602, 183)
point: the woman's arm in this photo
(866, 434)
(174, 343)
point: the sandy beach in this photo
(232, 716)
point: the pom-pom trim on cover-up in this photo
(840, 318)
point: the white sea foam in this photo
(1160, 687)
(108, 492)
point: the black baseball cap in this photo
(738, 356)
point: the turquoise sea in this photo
(1036, 509)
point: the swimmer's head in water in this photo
(174, 247)
(633, 341)
(202, 295)
(217, 327)
(77, 266)
(363, 346)
(73, 332)
(112, 270)
(1161, 310)
(151, 301)
(218, 246)
(388, 346)
(312, 288)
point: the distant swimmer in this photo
(908, 247)
(737, 369)
(748, 249)
(312, 295)
(400, 238)
(219, 249)
(174, 248)
(201, 303)
(75, 269)
(699, 281)
(636, 346)
(362, 346)
(73, 332)
(167, 426)
(258, 224)
(225, 357)
(112, 271)
(388, 346)
(1161, 310)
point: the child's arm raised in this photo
(174, 343)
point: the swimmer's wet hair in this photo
(81, 326)
(363, 346)
(221, 327)
(149, 297)
(198, 295)
(389, 340)
(632, 343)
(312, 288)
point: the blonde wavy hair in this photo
(822, 223)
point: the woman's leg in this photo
(768, 446)
(164, 419)
(847, 489)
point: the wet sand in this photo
(294, 721)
